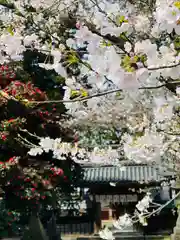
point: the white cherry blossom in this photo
(129, 72)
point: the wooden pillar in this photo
(110, 213)
(97, 213)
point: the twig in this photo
(25, 140)
(170, 133)
(163, 67)
(158, 210)
(153, 212)
(98, 95)
(26, 131)
(24, 144)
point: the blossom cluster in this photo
(121, 68)
(121, 49)
(61, 150)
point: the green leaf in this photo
(129, 69)
(177, 4)
(143, 58)
(118, 94)
(177, 43)
(72, 59)
(75, 93)
(135, 59)
(84, 93)
(126, 60)
(123, 36)
(59, 79)
(106, 43)
(10, 30)
(122, 19)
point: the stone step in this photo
(130, 237)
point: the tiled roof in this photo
(115, 174)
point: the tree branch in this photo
(163, 67)
(32, 135)
(158, 210)
(170, 133)
(98, 95)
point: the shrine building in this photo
(115, 191)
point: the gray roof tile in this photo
(115, 174)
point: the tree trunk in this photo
(52, 228)
(36, 230)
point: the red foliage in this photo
(6, 75)
(27, 178)
(25, 90)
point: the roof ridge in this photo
(129, 165)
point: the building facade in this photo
(109, 192)
(113, 191)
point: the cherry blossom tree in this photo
(119, 64)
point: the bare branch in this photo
(32, 135)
